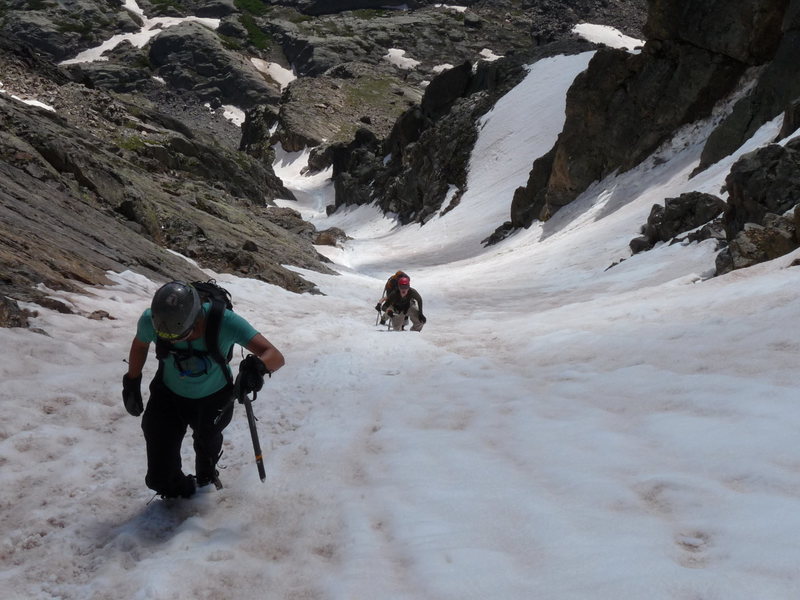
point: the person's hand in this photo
(378, 307)
(389, 312)
(422, 319)
(132, 395)
(251, 374)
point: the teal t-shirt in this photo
(196, 376)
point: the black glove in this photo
(132, 395)
(378, 307)
(422, 319)
(390, 312)
(251, 374)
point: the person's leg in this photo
(397, 321)
(213, 415)
(163, 430)
(413, 314)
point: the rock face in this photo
(412, 170)
(63, 29)
(762, 214)
(104, 183)
(192, 57)
(776, 90)
(678, 215)
(625, 105)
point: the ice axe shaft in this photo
(251, 421)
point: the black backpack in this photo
(220, 299)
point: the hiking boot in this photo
(185, 488)
(204, 480)
(182, 487)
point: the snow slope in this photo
(559, 429)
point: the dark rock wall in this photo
(763, 212)
(777, 88)
(625, 105)
(411, 172)
(190, 56)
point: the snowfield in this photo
(559, 429)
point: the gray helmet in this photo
(174, 310)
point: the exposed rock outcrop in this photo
(190, 56)
(61, 30)
(678, 215)
(103, 183)
(625, 105)
(424, 159)
(761, 216)
(777, 88)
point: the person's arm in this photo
(418, 298)
(137, 357)
(266, 352)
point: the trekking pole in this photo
(251, 421)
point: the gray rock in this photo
(624, 106)
(762, 182)
(747, 31)
(11, 315)
(108, 185)
(192, 57)
(678, 215)
(777, 87)
(757, 244)
(331, 237)
(763, 187)
(791, 120)
(619, 111)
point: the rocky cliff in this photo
(625, 105)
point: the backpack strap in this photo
(162, 349)
(213, 326)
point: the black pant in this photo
(164, 425)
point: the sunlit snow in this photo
(150, 28)
(398, 58)
(609, 36)
(281, 75)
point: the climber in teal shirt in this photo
(193, 387)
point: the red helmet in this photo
(403, 282)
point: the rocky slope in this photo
(131, 157)
(109, 182)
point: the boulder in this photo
(11, 315)
(618, 112)
(762, 214)
(678, 215)
(761, 182)
(331, 237)
(191, 56)
(758, 243)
